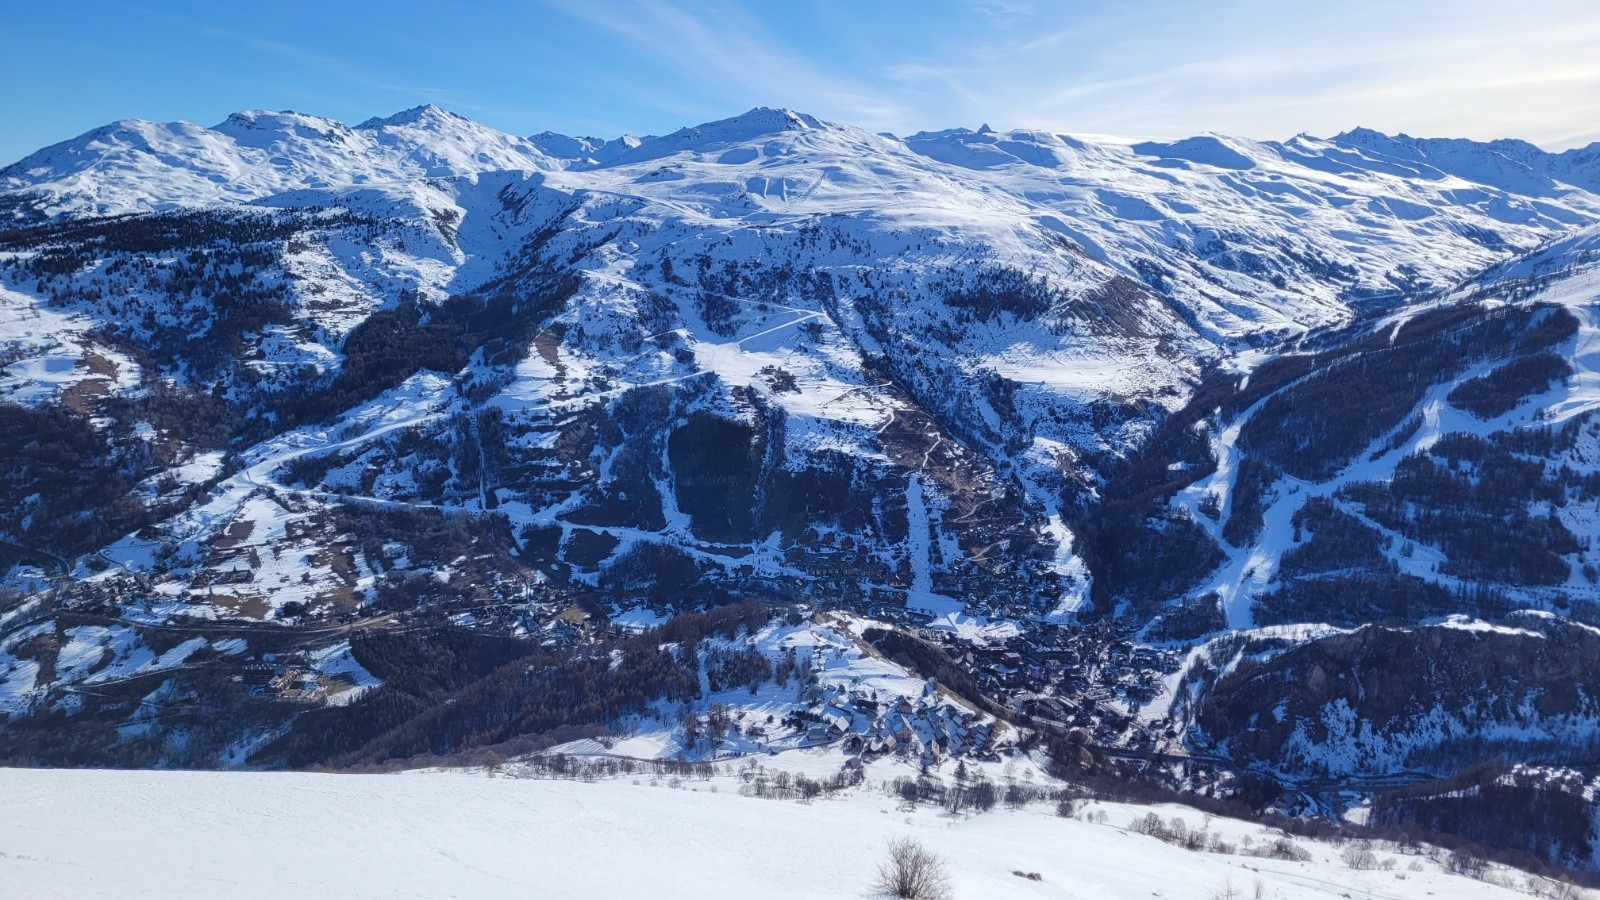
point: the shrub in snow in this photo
(913, 872)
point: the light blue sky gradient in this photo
(1159, 68)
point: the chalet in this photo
(293, 679)
(235, 576)
(837, 720)
(878, 741)
(1049, 708)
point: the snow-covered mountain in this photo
(137, 166)
(1080, 287)
(1423, 483)
(285, 379)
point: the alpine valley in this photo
(1264, 473)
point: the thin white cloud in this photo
(1009, 12)
(732, 54)
(1268, 70)
(1256, 68)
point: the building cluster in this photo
(1070, 677)
(928, 727)
(289, 679)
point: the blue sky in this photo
(1458, 68)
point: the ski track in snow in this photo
(919, 546)
(1249, 571)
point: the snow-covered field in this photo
(467, 834)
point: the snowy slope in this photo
(1562, 274)
(1260, 235)
(1243, 235)
(1454, 537)
(581, 152)
(135, 165)
(1515, 164)
(458, 834)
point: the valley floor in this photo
(469, 834)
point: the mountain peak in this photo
(754, 123)
(1204, 149)
(253, 125)
(942, 134)
(1363, 133)
(427, 113)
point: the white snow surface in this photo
(340, 663)
(134, 165)
(89, 834)
(45, 352)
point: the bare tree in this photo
(1226, 891)
(1358, 855)
(913, 872)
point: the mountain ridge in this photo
(298, 381)
(746, 126)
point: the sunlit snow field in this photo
(471, 834)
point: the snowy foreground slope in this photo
(460, 834)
